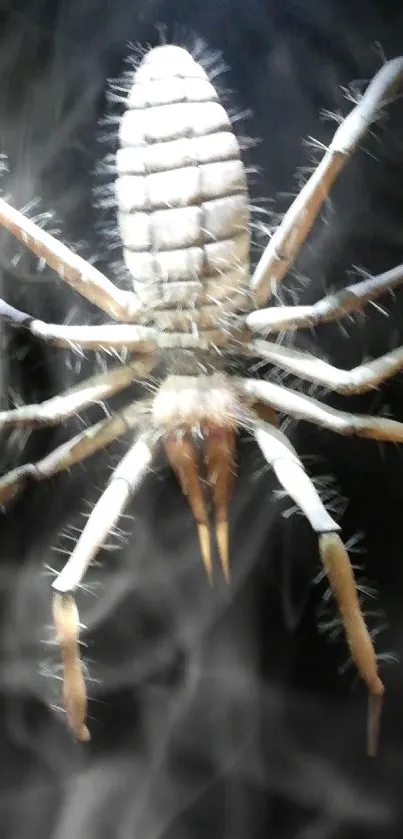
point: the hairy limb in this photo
(74, 694)
(119, 336)
(125, 481)
(282, 456)
(358, 380)
(311, 410)
(334, 306)
(94, 390)
(106, 336)
(77, 449)
(284, 460)
(73, 269)
(286, 242)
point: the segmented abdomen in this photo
(183, 207)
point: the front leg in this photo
(119, 336)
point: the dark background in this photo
(218, 715)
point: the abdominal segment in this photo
(181, 192)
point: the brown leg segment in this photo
(281, 252)
(75, 701)
(219, 451)
(72, 268)
(338, 567)
(83, 445)
(184, 459)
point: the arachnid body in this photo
(183, 217)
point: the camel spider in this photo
(183, 217)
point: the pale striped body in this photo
(183, 206)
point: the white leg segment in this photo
(334, 306)
(60, 408)
(358, 380)
(124, 482)
(73, 269)
(311, 410)
(286, 242)
(281, 455)
(107, 336)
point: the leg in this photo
(94, 390)
(277, 450)
(311, 410)
(123, 484)
(107, 336)
(352, 298)
(143, 339)
(77, 449)
(358, 380)
(289, 237)
(81, 275)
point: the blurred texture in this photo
(219, 714)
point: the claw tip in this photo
(222, 535)
(204, 542)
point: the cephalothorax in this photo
(184, 223)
